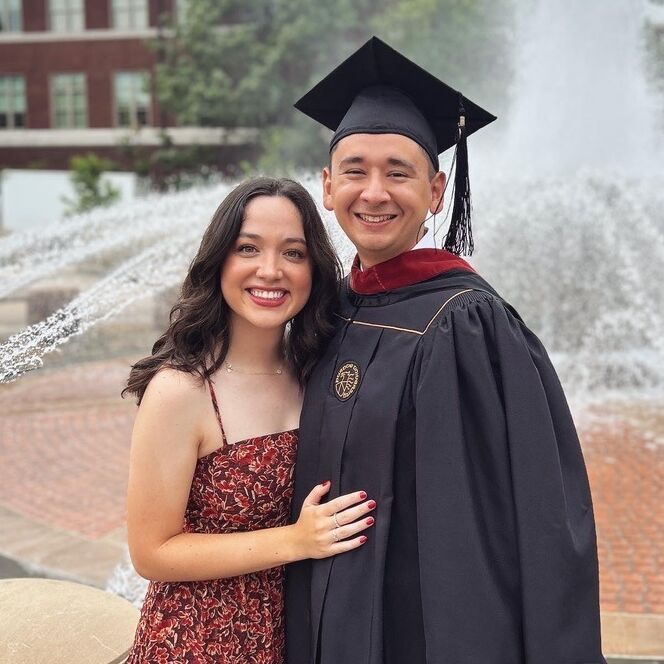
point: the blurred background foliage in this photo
(91, 190)
(234, 63)
(654, 42)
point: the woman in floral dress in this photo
(214, 442)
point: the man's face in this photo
(380, 189)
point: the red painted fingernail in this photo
(325, 482)
(363, 495)
(371, 504)
(370, 521)
(363, 539)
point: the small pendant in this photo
(229, 368)
(278, 372)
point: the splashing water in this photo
(125, 582)
(26, 257)
(580, 258)
(581, 97)
(157, 267)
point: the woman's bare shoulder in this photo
(172, 388)
(171, 412)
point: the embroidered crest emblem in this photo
(347, 380)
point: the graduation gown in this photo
(437, 400)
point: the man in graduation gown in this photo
(437, 400)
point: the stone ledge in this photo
(633, 637)
(58, 553)
(633, 660)
(59, 622)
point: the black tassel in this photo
(459, 238)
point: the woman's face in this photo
(266, 277)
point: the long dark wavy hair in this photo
(198, 335)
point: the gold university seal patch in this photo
(347, 380)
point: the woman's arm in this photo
(163, 458)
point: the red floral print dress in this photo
(239, 620)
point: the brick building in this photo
(75, 77)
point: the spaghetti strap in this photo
(215, 405)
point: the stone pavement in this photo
(64, 441)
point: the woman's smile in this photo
(268, 297)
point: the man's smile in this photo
(374, 218)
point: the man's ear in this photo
(327, 188)
(437, 192)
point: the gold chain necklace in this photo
(231, 369)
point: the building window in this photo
(11, 19)
(12, 102)
(66, 15)
(132, 99)
(69, 101)
(130, 14)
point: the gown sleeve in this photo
(506, 533)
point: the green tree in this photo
(654, 40)
(91, 190)
(466, 43)
(234, 63)
(206, 74)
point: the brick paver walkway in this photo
(64, 442)
(624, 451)
(64, 439)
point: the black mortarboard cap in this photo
(379, 91)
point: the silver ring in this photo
(336, 523)
(334, 534)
